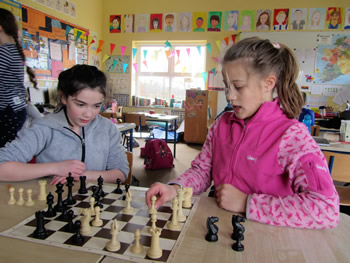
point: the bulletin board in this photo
(51, 44)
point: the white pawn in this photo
(12, 200)
(153, 220)
(20, 199)
(29, 201)
(85, 228)
(97, 221)
(92, 206)
(174, 223)
(128, 209)
(180, 215)
(137, 248)
(42, 190)
(114, 245)
(187, 198)
(155, 251)
(153, 209)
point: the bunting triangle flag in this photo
(216, 59)
(105, 58)
(122, 50)
(177, 62)
(184, 70)
(235, 37)
(92, 41)
(167, 44)
(134, 51)
(79, 33)
(199, 49)
(145, 63)
(218, 44)
(98, 50)
(213, 71)
(115, 62)
(226, 40)
(156, 53)
(87, 33)
(167, 53)
(209, 47)
(111, 48)
(135, 66)
(100, 44)
(68, 29)
(205, 75)
(188, 51)
(145, 54)
(172, 53)
(178, 53)
(125, 66)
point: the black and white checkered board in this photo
(113, 205)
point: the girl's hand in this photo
(75, 167)
(58, 179)
(164, 192)
(230, 198)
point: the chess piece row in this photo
(20, 201)
(237, 235)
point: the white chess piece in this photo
(97, 221)
(12, 200)
(20, 200)
(114, 245)
(128, 197)
(155, 251)
(174, 223)
(29, 201)
(137, 248)
(153, 209)
(85, 227)
(180, 215)
(153, 220)
(42, 190)
(187, 203)
(92, 206)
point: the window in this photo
(166, 71)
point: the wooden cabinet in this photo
(196, 116)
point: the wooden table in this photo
(263, 243)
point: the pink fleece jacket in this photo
(275, 161)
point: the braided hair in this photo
(9, 25)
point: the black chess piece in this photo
(126, 190)
(212, 235)
(77, 237)
(59, 206)
(82, 189)
(94, 191)
(98, 201)
(236, 223)
(40, 231)
(64, 211)
(70, 227)
(100, 186)
(238, 246)
(118, 190)
(70, 199)
(50, 211)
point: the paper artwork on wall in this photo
(263, 20)
(115, 23)
(247, 20)
(334, 18)
(316, 18)
(231, 20)
(199, 21)
(298, 18)
(185, 22)
(142, 23)
(169, 22)
(118, 84)
(347, 18)
(214, 21)
(129, 21)
(114, 64)
(280, 19)
(156, 23)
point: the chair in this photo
(129, 156)
(139, 119)
(338, 164)
(315, 130)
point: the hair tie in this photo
(276, 45)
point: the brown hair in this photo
(9, 25)
(264, 58)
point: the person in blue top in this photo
(306, 111)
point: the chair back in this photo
(338, 164)
(138, 118)
(315, 130)
(129, 156)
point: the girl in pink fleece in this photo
(263, 162)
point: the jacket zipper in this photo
(82, 140)
(237, 148)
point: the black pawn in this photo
(98, 201)
(94, 191)
(50, 211)
(77, 237)
(118, 190)
(59, 206)
(40, 231)
(70, 199)
(65, 211)
(82, 189)
(238, 246)
(212, 235)
(100, 185)
(126, 190)
(70, 226)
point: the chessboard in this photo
(113, 205)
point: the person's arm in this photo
(314, 202)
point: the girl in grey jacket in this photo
(74, 139)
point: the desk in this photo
(263, 243)
(337, 147)
(125, 128)
(166, 119)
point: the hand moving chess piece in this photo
(155, 251)
(114, 245)
(187, 203)
(137, 248)
(212, 235)
(153, 209)
(29, 201)
(153, 220)
(42, 190)
(20, 200)
(12, 200)
(174, 223)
